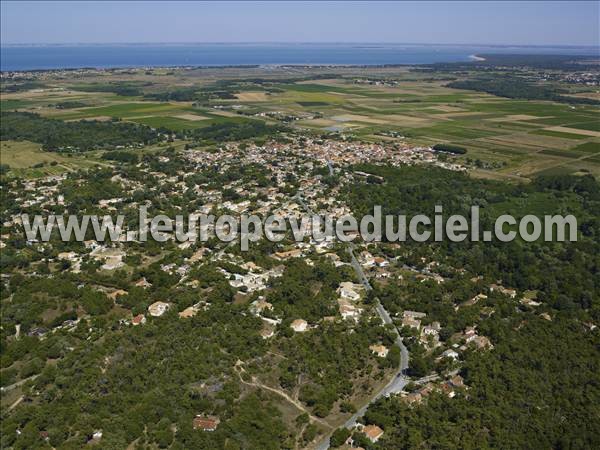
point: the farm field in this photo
(506, 137)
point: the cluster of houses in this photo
(448, 387)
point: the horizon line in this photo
(19, 44)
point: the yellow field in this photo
(252, 97)
(574, 131)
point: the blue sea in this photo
(33, 57)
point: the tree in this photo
(339, 437)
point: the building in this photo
(260, 305)
(140, 319)
(373, 432)
(299, 325)
(289, 254)
(381, 262)
(457, 381)
(188, 312)
(482, 342)
(348, 310)
(450, 354)
(205, 423)
(432, 330)
(413, 314)
(379, 350)
(504, 291)
(267, 331)
(143, 283)
(411, 322)
(157, 309)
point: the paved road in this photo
(18, 383)
(400, 380)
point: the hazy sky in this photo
(485, 22)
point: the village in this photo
(285, 180)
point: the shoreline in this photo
(221, 66)
(476, 58)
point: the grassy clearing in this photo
(27, 159)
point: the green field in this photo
(27, 159)
(516, 136)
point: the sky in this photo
(441, 22)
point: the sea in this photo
(43, 57)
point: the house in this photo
(411, 322)
(381, 262)
(482, 342)
(205, 423)
(69, 256)
(413, 397)
(366, 259)
(432, 330)
(299, 325)
(188, 312)
(448, 389)
(289, 254)
(37, 332)
(348, 292)
(373, 432)
(379, 350)
(457, 381)
(427, 389)
(474, 300)
(505, 291)
(260, 305)
(470, 334)
(348, 310)
(529, 302)
(140, 319)
(143, 283)
(267, 331)
(157, 309)
(449, 354)
(413, 314)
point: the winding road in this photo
(399, 380)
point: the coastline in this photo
(476, 58)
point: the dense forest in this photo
(230, 131)
(540, 385)
(81, 136)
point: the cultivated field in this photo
(510, 138)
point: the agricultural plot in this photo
(28, 159)
(517, 136)
(123, 110)
(522, 137)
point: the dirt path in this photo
(16, 403)
(255, 383)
